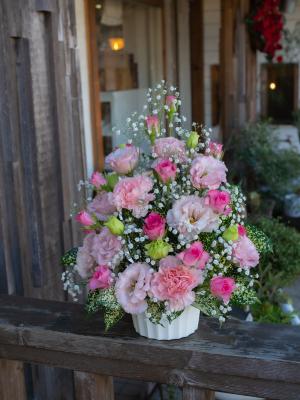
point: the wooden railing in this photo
(240, 357)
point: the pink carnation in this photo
(102, 206)
(194, 256)
(85, 263)
(84, 218)
(190, 216)
(101, 279)
(174, 283)
(245, 253)
(222, 288)
(166, 170)
(219, 201)
(123, 160)
(154, 226)
(170, 147)
(105, 247)
(207, 172)
(97, 179)
(133, 194)
(215, 150)
(132, 287)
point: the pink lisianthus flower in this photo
(152, 123)
(190, 216)
(105, 247)
(132, 287)
(154, 226)
(97, 180)
(194, 256)
(166, 170)
(170, 147)
(171, 102)
(84, 218)
(245, 253)
(222, 288)
(123, 160)
(219, 201)
(207, 172)
(85, 263)
(242, 230)
(102, 205)
(133, 194)
(215, 150)
(174, 283)
(101, 278)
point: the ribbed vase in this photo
(184, 325)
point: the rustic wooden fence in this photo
(240, 357)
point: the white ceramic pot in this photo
(184, 325)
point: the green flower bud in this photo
(192, 140)
(112, 180)
(231, 233)
(122, 146)
(158, 249)
(114, 225)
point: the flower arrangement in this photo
(265, 25)
(164, 229)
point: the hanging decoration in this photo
(265, 24)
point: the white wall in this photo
(85, 89)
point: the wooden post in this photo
(12, 382)
(92, 386)
(195, 393)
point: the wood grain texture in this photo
(239, 357)
(12, 383)
(92, 386)
(194, 393)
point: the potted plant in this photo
(165, 235)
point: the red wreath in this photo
(265, 24)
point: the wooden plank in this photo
(194, 393)
(92, 386)
(239, 357)
(12, 383)
(94, 84)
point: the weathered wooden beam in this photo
(239, 357)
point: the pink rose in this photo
(152, 123)
(123, 160)
(219, 201)
(245, 253)
(101, 279)
(132, 287)
(102, 206)
(170, 147)
(194, 256)
(191, 216)
(174, 283)
(154, 226)
(215, 150)
(222, 288)
(97, 179)
(133, 194)
(85, 263)
(84, 218)
(207, 172)
(105, 247)
(166, 170)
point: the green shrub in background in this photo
(276, 269)
(262, 166)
